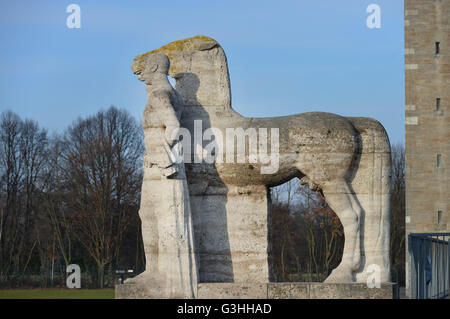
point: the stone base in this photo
(297, 290)
(144, 291)
(132, 291)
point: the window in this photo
(439, 216)
(438, 104)
(438, 49)
(438, 160)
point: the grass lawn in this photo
(56, 293)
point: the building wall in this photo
(427, 78)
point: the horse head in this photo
(199, 67)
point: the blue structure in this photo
(429, 262)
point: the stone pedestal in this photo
(231, 234)
(132, 291)
(298, 290)
(247, 210)
(167, 233)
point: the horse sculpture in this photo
(347, 158)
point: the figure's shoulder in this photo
(161, 93)
(167, 96)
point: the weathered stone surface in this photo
(352, 291)
(347, 158)
(297, 290)
(165, 211)
(131, 291)
(232, 246)
(232, 291)
(288, 291)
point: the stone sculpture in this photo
(165, 213)
(348, 159)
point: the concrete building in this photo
(427, 111)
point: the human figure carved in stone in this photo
(161, 116)
(165, 214)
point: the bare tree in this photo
(11, 174)
(102, 170)
(23, 147)
(68, 196)
(53, 193)
(33, 150)
(307, 235)
(397, 247)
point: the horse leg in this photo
(343, 202)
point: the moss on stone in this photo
(170, 49)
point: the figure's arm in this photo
(167, 114)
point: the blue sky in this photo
(285, 57)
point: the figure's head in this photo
(150, 65)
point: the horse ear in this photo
(207, 45)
